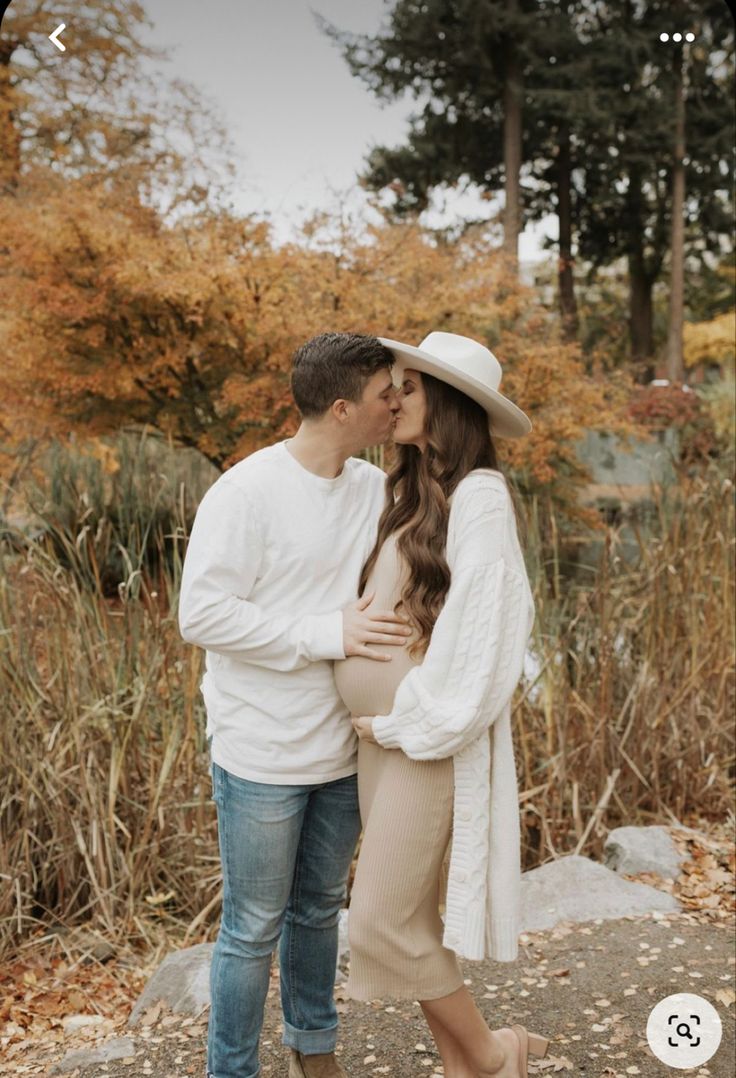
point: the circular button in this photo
(464, 814)
(684, 1030)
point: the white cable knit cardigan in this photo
(458, 703)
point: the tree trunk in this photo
(640, 316)
(568, 303)
(512, 92)
(641, 281)
(675, 364)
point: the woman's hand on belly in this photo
(363, 726)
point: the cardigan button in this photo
(464, 814)
(461, 876)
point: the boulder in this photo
(181, 983)
(631, 850)
(574, 888)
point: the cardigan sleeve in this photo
(476, 651)
(222, 562)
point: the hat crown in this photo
(466, 355)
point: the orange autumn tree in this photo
(119, 318)
(96, 113)
(130, 298)
(114, 318)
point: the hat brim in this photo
(506, 419)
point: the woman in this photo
(435, 753)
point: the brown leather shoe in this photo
(322, 1066)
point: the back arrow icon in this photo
(54, 38)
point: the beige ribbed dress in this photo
(406, 807)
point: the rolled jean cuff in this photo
(255, 1074)
(310, 1042)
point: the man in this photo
(268, 589)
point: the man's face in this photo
(375, 412)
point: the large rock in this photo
(119, 1048)
(574, 888)
(181, 982)
(631, 850)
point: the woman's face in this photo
(412, 415)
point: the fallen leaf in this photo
(152, 1015)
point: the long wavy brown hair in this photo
(419, 485)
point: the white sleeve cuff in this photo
(386, 731)
(322, 635)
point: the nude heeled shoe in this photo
(530, 1044)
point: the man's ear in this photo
(340, 410)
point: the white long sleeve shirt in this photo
(457, 703)
(274, 555)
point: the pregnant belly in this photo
(368, 686)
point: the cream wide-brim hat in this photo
(468, 366)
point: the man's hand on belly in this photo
(360, 628)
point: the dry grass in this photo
(630, 717)
(105, 811)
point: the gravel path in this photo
(588, 987)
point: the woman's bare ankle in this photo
(502, 1059)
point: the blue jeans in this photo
(286, 853)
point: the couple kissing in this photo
(364, 633)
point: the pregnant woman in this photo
(436, 771)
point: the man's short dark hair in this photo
(335, 366)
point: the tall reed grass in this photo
(105, 810)
(628, 718)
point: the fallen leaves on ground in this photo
(40, 994)
(707, 881)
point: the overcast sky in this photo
(301, 124)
